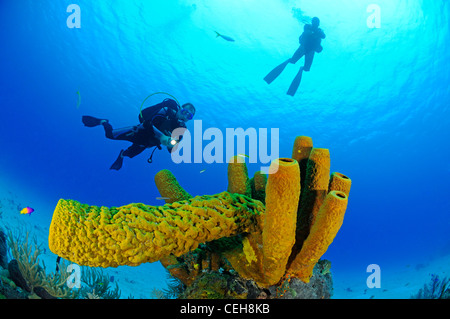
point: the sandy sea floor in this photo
(399, 281)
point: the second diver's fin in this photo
(91, 121)
(118, 163)
(276, 72)
(295, 83)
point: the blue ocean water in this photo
(377, 98)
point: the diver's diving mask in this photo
(187, 114)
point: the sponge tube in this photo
(169, 187)
(238, 181)
(137, 233)
(278, 234)
(316, 188)
(328, 222)
(340, 182)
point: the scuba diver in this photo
(156, 125)
(310, 43)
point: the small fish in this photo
(243, 155)
(224, 37)
(79, 99)
(27, 211)
(203, 170)
(162, 198)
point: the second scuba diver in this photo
(310, 43)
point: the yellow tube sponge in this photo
(316, 188)
(300, 152)
(238, 181)
(340, 182)
(137, 233)
(323, 231)
(278, 233)
(265, 251)
(302, 147)
(169, 187)
(258, 185)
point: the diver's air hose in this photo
(140, 110)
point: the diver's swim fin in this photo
(91, 121)
(276, 72)
(295, 83)
(118, 163)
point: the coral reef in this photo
(97, 285)
(27, 273)
(3, 250)
(175, 287)
(320, 285)
(436, 289)
(25, 278)
(214, 285)
(272, 230)
(221, 284)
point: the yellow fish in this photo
(27, 211)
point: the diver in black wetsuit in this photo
(156, 125)
(310, 43)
